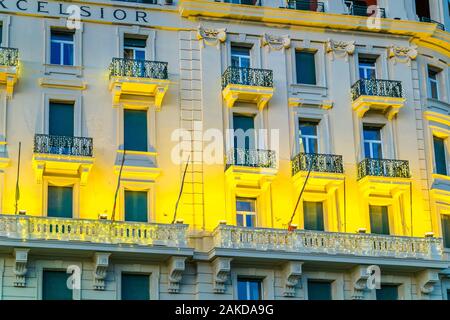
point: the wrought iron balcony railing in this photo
(377, 87)
(93, 231)
(251, 158)
(9, 57)
(247, 77)
(309, 5)
(246, 2)
(303, 241)
(364, 11)
(383, 168)
(439, 25)
(327, 163)
(122, 67)
(62, 145)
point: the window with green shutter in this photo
(305, 64)
(319, 290)
(136, 206)
(60, 202)
(54, 286)
(61, 119)
(379, 220)
(135, 287)
(387, 292)
(313, 216)
(135, 130)
(439, 155)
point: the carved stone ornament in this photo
(342, 49)
(275, 42)
(222, 268)
(292, 272)
(101, 262)
(211, 37)
(402, 54)
(177, 265)
(20, 267)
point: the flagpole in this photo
(113, 214)
(181, 190)
(17, 180)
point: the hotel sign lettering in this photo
(87, 12)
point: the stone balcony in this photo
(375, 94)
(324, 246)
(9, 63)
(247, 85)
(138, 82)
(69, 156)
(94, 232)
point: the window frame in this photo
(62, 44)
(373, 142)
(148, 205)
(266, 275)
(247, 213)
(149, 34)
(446, 154)
(56, 265)
(336, 279)
(61, 182)
(436, 82)
(248, 280)
(137, 186)
(152, 270)
(309, 137)
(313, 53)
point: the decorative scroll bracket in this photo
(221, 269)
(426, 281)
(402, 54)
(20, 267)
(276, 43)
(342, 49)
(292, 272)
(359, 281)
(101, 263)
(211, 37)
(177, 265)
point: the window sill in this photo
(76, 71)
(439, 105)
(306, 94)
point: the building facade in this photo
(200, 149)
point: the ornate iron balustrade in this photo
(93, 231)
(309, 5)
(383, 168)
(247, 77)
(62, 145)
(319, 163)
(376, 87)
(439, 25)
(251, 158)
(246, 2)
(303, 241)
(121, 67)
(9, 57)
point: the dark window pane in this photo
(240, 57)
(62, 36)
(136, 207)
(313, 216)
(305, 67)
(136, 43)
(448, 291)
(308, 127)
(60, 202)
(61, 119)
(135, 126)
(244, 123)
(62, 48)
(319, 290)
(68, 54)
(387, 292)
(55, 53)
(371, 133)
(249, 289)
(446, 230)
(135, 287)
(54, 286)
(439, 155)
(379, 220)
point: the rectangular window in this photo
(60, 202)
(246, 212)
(372, 142)
(387, 292)
(62, 48)
(245, 123)
(61, 119)
(439, 155)
(134, 48)
(313, 216)
(308, 136)
(54, 286)
(433, 83)
(367, 68)
(305, 67)
(136, 206)
(135, 130)
(446, 230)
(240, 57)
(379, 220)
(249, 289)
(448, 291)
(135, 287)
(319, 290)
